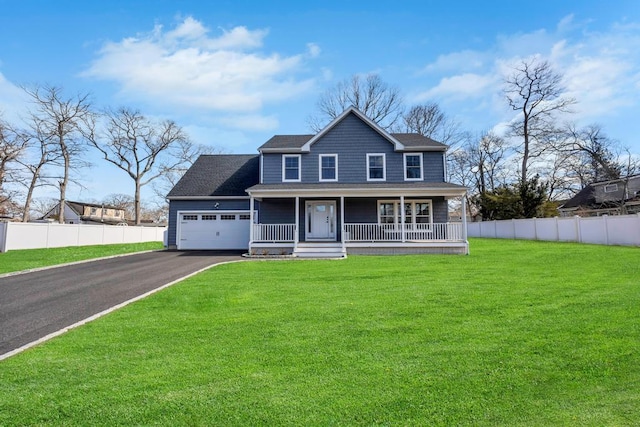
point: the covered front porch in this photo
(317, 222)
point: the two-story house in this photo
(351, 188)
(614, 197)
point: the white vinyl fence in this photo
(603, 230)
(18, 235)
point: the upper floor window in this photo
(328, 167)
(610, 188)
(413, 167)
(291, 167)
(376, 167)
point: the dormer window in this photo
(376, 167)
(413, 167)
(291, 168)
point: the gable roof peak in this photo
(353, 110)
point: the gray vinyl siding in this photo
(361, 211)
(440, 210)
(351, 140)
(198, 205)
(277, 211)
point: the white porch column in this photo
(251, 204)
(342, 229)
(464, 218)
(402, 218)
(296, 233)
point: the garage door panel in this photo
(229, 230)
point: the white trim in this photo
(397, 145)
(404, 164)
(384, 167)
(335, 156)
(299, 157)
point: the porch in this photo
(363, 238)
(340, 219)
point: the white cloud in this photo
(601, 71)
(459, 87)
(250, 122)
(187, 68)
(12, 100)
(459, 61)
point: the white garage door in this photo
(213, 230)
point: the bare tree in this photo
(125, 202)
(535, 91)
(376, 99)
(40, 206)
(595, 156)
(60, 119)
(12, 146)
(142, 148)
(429, 120)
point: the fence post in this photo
(578, 233)
(606, 229)
(3, 235)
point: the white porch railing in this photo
(449, 231)
(274, 233)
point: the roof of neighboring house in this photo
(584, 197)
(295, 142)
(218, 175)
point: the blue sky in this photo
(234, 73)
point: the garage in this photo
(213, 230)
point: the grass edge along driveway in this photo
(518, 333)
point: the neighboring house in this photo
(613, 197)
(351, 188)
(87, 213)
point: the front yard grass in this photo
(517, 333)
(28, 259)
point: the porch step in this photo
(320, 250)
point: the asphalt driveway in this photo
(36, 304)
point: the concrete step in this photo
(320, 250)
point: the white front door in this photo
(321, 220)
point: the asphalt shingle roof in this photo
(218, 175)
(295, 142)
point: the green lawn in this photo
(34, 258)
(517, 333)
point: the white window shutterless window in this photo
(328, 167)
(376, 166)
(415, 212)
(413, 167)
(291, 168)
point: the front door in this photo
(321, 220)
